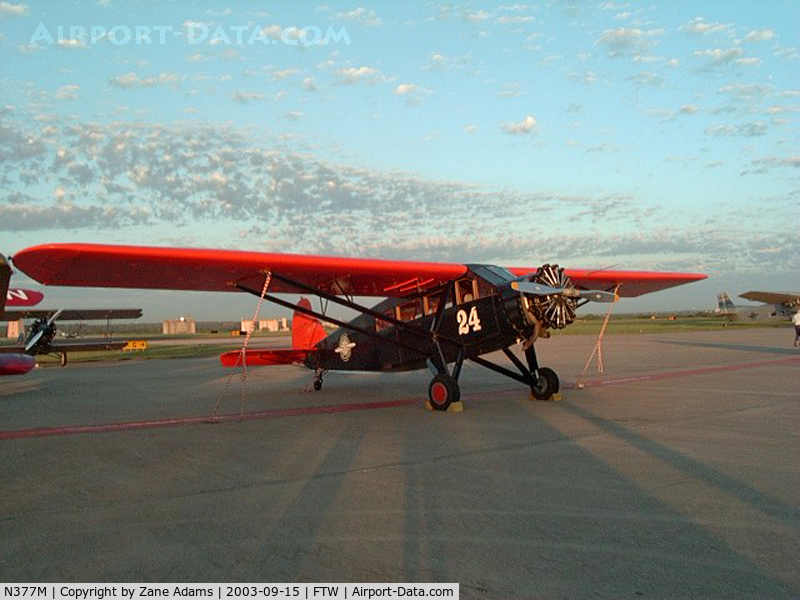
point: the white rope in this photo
(598, 346)
(242, 357)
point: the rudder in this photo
(306, 330)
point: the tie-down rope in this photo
(242, 357)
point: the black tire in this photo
(443, 391)
(63, 359)
(547, 386)
(318, 384)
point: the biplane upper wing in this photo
(95, 265)
(772, 297)
(74, 314)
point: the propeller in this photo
(551, 299)
(43, 328)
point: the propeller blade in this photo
(31, 343)
(535, 289)
(598, 296)
(54, 316)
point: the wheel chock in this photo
(454, 407)
(554, 398)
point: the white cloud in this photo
(527, 125)
(627, 41)
(699, 26)
(7, 9)
(477, 16)
(352, 75)
(132, 80)
(361, 15)
(309, 84)
(406, 88)
(245, 97)
(760, 35)
(67, 92)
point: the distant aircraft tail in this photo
(306, 332)
(724, 303)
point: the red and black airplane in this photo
(434, 315)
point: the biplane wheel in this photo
(443, 391)
(318, 384)
(63, 359)
(547, 385)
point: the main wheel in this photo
(443, 391)
(318, 384)
(547, 385)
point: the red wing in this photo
(631, 283)
(92, 265)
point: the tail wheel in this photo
(443, 391)
(547, 384)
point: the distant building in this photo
(179, 325)
(15, 329)
(248, 325)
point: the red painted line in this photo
(277, 413)
(688, 372)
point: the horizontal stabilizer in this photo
(256, 357)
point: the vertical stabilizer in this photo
(306, 330)
(724, 303)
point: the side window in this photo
(408, 311)
(381, 325)
(466, 291)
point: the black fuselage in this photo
(482, 314)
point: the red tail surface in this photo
(306, 332)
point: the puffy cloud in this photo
(362, 15)
(527, 125)
(760, 35)
(406, 88)
(309, 84)
(132, 80)
(8, 9)
(626, 41)
(699, 26)
(245, 97)
(352, 75)
(68, 92)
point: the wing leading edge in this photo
(96, 265)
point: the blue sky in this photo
(641, 135)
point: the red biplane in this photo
(434, 315)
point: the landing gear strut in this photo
(318, 373)
(545, 381)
